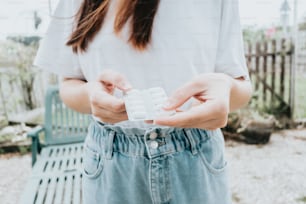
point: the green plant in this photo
(24, 149)
(302, 199)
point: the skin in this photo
(216, 96)
(97, 97)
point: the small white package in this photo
(146, 104)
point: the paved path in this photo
(269, 174)
(14, 171)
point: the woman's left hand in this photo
(212, 91)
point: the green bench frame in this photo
(57, 162)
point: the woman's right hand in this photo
(104, 105)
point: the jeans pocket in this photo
(93, 162)
(211, 152)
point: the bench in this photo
(57, 148)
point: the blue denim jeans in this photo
(154, 166)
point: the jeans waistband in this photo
(151, 143)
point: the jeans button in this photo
(153, 135)
(153, 144)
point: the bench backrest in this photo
(62, 124)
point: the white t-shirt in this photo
(188, 38)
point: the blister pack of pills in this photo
(146, 104)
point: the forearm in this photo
(241, 92)
(74, 94)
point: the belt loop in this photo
(192, 143)
(109, 144)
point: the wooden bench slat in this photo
(30, 192)
(50, 164)
(59, 190)
(51, 191)
(43, 187)
(62, 165)
(77, 189)
(68, 190)
(40, 167)
(61, 150)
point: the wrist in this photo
(74, 94)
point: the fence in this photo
(301, 47)
(269, 65)
(301, 61)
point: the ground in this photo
(274, 173)
(270, 174)
(14, 171)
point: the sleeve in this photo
(230, 57)
(53, 55)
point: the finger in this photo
(195, 116)
(107, 115)
(213, 124)
(151, 121)
(111, 77)
(181, 95)
(115, 120)
(196, 102)
(107, 101)
(207, 125)
(109, 88)
(110, 120)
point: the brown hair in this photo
(91, 15)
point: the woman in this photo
(193, 49)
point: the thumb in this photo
(116, 79)
(183, 94)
